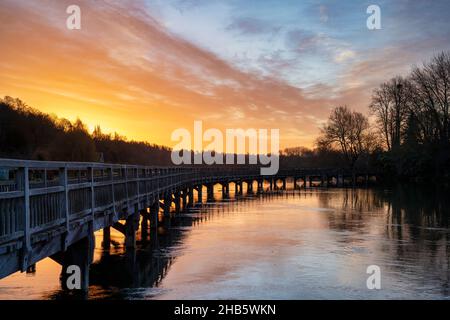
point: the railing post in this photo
(64, 182)
(146, 170)
(136, 170)
(113, 197)
(45, 178)
(27, 222)
(91, 170)
(125, 170)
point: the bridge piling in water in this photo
(176, 200)
(184, 197)
(154, 213)
(340, 181)
(324, 182)
(260, 184)
(191, 197)
(239, 188)
(166, 205)
(77, 256)
(145, 219)
(249, 186)
(131, 227)
(106, 243)
(225, 190)
(210, 192)
(200, 193)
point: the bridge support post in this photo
(177, 199)
(191, 197)
(144, 224)
(324, 182)
(239, 189)
(31, 269)
(185, 199)
(249, 186)
(77, 257)
(225, 190)
(260, 186)
(271, 184)
(131, 226)
(200, 193)
(167, 205)
(284, 184)
(210, 188)
(340, 181)
(106, 243)
(154, 211)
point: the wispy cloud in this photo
(252, 26)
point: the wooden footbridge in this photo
(52, 209)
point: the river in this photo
(302, 244)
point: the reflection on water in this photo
(308, 244)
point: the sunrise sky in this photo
(145, 68)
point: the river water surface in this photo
(304, 244)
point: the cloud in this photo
(303, 40)
(252, 26)
(344, 55)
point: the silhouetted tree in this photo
(413, 117)
(390, 104)
(431, 98)
(347, 131)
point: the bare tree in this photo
(430, 100)
(390, 104)
(348, 131)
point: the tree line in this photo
(26, 133)
(411, 135)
